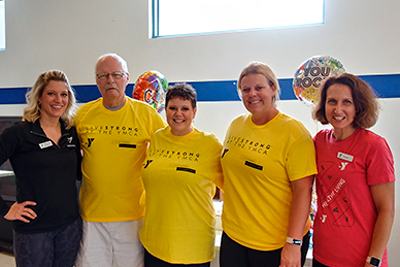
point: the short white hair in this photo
(117, 57)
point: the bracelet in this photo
(293, 241)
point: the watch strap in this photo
(293, 241)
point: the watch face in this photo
(374, 261)
(297, 242)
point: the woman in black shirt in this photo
(44, 152)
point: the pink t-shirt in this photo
(346, 213)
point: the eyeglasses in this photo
(115, 75)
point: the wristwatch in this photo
(373, 261)
(293, 241)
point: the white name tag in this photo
(344, 156)
(45, 144)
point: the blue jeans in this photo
(57, 248)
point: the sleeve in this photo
(157, 121)
(78, 115)
(78, 154)
(217, 178)
(315, 138)
(82, 111)
(10, 141)
(301, 159)
(9, 144)
(3, 207)
(317, 142)
(228, 131)
(379, 163)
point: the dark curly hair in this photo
(182, 90)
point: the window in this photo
(185, 17)
(2, 27)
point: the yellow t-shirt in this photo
(259, 163)
(180, 174)
(114, 145)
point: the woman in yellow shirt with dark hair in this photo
(179, 175)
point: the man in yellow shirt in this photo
(114, 132)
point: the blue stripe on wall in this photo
(386, 86)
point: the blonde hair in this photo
(260, 68)
(32, 111)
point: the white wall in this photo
(70, 35)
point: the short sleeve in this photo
(379, 162)
(301, 161)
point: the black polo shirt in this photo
(45, 173)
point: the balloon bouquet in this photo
(310, 74)
(151, 88)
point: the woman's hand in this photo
(383, 196)
(291, 255)
(299, 213)
(19, 211)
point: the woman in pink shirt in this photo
(355, 181)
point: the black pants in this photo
(233, 254)
(151, 261)
(57, 248)
(316, 263)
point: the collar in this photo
(36, 128)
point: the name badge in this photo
(45, 144)
(344, 156)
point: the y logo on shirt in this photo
(223, 154)
(344, 164)
(70, 144)
(90, 141)
(147, 163)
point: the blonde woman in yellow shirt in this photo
(269, 165)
